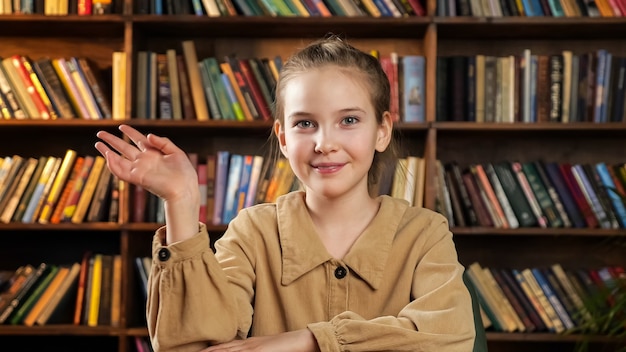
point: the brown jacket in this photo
(399, 288)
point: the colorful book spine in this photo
(413, 100)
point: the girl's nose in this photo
(325, 143)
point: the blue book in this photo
(382, 7)
(598, 101)
(591, 196)
(244, 182)
(413, 88)
(221, 176)
(197, 7)
(616, 200)
(553, 299)
(234, 102)
(232, 186)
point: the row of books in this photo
(303, 8)
(81, 293)
(60, 7)
(232, 89)
(49, 189)
(51, 88)
(544, 298)
(564, 87)
(178, 86)
(511, 194)
(228, 183)
(531, 8)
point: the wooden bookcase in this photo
(98, 37)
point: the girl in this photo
(329, 268)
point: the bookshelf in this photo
(97, 37)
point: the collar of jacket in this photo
(367, 257)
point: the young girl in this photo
(329, 268)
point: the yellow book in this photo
(86, 195)
(73, 95)
(302, 11)
(371, 8)
(119, 85)
(96, 284)
(45, 297)
(57, 185)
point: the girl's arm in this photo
(159, 166)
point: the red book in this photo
(16, 60)
(257, 95)
(80, 294)
(579, 198)
(85, 7)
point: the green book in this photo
(213, 68)
(34, 295)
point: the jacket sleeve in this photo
(438, 318)
(192, 303)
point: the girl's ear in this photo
(280, 135)
(384, 132)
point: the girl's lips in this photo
(327, 168)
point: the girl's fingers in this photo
(124, 148)
(137, 137)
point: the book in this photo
(533, 298)
(86, 195)
(543, 299)
(413, 101)
(24, 289)
(57, 187)
(82, 86)
(116, 290)
(25, 179)
(46, 296)
(95, 85)
(34, 295)
(30, 188)
(221, 179)
(94, 290)
(21, 277)
(530, 195)
(98, 206)
(73, 94)
(70, 186)
(553, 300)
(81, 289)
(235, 167)
(41, 189)
(195, 81)
(515, 194)
(544, 201)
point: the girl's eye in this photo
(350, 120)
(304, 124)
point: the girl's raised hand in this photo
(152, 162)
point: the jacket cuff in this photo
(324, 333)
(182, 250)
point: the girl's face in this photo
(330, 132)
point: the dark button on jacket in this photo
(164, 254)
(341, 272)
